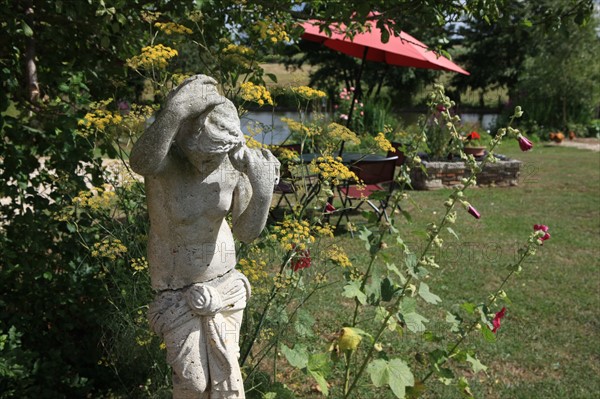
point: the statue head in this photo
(216, 131)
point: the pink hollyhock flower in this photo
(544, 228)
(441, 108)
(329, 208)
(473, 212)
(344, 117)
(336, 106)
(362, 113)
(301, 260)
(352, 88)
(524, 143)
(497, 318)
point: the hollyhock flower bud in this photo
(329, 208)
(518, 111)
(497, 318)
(473, 212)
(524, 143)
(348, 339)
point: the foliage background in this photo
(68, 319)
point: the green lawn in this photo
(549, 343)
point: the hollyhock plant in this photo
(543, 228)
(329, 208)
(524, 143)
(497, 318)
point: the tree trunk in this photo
(33, 88)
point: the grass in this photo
(549, 343)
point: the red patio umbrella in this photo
(403, 50)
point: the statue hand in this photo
(260, 165)
(195, 96)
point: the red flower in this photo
(473, 212)
(301, 260)
(497, 318)
(473, 136)
(544, 228)
(524, 143)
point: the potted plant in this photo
(475, 144)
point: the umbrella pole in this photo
(355, 95)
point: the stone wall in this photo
(449, 174)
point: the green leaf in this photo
(427, 295)
(476, 364)
(451, 231)
(454, 320)
(392, 267)
(364, 236)
(272, 76)
(488, 334)
(297, 357)
(303, 324)
(373, 289)
(319, 367)
(27, 31)
(395, 373)
(469, 307)
(414, 322)
(352, 290)
(387, 290)
(411, 261)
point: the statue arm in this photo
(253, 193)
(194, 97)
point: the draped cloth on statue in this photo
(200, 326)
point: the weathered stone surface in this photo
(197, 168)
(448, 174)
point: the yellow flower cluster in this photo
(254, 270)
(338, 256)
(325, 230)
(271, 31)
(256, 93)
(98, 198)
(241, 50)
(341, 132)
(297, 127)
(98, 119)
(308, 93)
(286, 154)
(171, 27)
(331, 169)
(251, 142)
(152, 56)
(139, 264)
(150, 16)
(293, 234)
(384, 143)
(178, 78)
(135, 119)
(109, 248)
(281, 281)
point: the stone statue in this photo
(197, 168)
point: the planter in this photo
(475, 151)
(437, 175)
